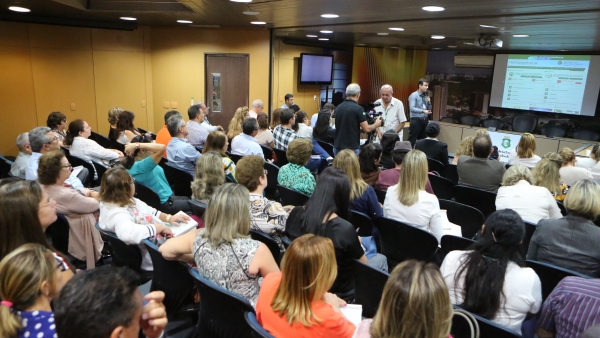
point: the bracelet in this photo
(169, 218)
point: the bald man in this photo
(392, 111)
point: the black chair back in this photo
(286, 242)
(563, 209)
(452, 243)
(482, 200)
(380, 195)
(291, 196)
(586, 134)
(362, 223)
(147, 195)
(451, 173)
(5, 166)
(524, 123)
(470, 219)
(267, 152)
(493, 123)
(65, 150)
(529, 230)
(116, 145)
(59, 233)
(442, 188)
(487, 328)
(435, 166)
(550, 275)
(553, 131)
(100, 170)
(198, 208)
(470, 120)
(100, 139)
(368, 286)
(78, 161)
(328, 147)
(281, 157)
(400, 241)
(222, 312)
(449, 120)
(179, 180)
(260, 236)
(271, 189)
(235, 158)
(257, 330)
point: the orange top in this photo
(163, 137)
(333, 323)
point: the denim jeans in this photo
(337, 150)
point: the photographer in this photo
(350, 119)
(392, 111)
(420, 107)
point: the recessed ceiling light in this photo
(383, 33)
(258, 23)
(436, 48)
(451, 46)
(438, 37)
(361, 44)
(250, 13)
(330, 16)
(395, 47)
(241, 0)
(127, 18)
(520, 35)
(311, 36)
(467, 43)
(396, 29)
(562, 50)
(326, 32)
(433, 8)
(487, 26)
(184, 21)
(323, 39)
(19, 9)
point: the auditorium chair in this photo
(487, 328)
(267, 152)
(328, 147)
(553, 131)
(435, 166)
(380, 195)
(100, 139)
(451, 173)
(586, 134)
(470, 120)
(442, 188)
(550, 275)
(271, 190)
(76, 161)
(147, 195)
(529, 230)
(524, 123)
(198, 208)
(291, 196)
(494, 123)
(470, 219)
(5, 166)
(235, 158)
(484, 201)
(401, 241)
(281, 157)
(449, 120)
(262, 237)
(451, 243)
(257, 330)
(368, 286)
(179, 180)
(362, 223)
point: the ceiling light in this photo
(433, 8)
(311, 36)
(395, 47)
(323, 39)
(562, 50)
(467, 43)
(326, 32)
(19, 9)
(361, 44)
(520, 35)
(451, 46)
(436, 48)
(250, 13)
(383, 34)
(258, 23)
(438, 37)
(241, 0)
(330, 16)
(396, 29)
(487, 26)
(184, 21)
(127, 18)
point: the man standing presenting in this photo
(289, 101)
(393, 112)
(257, 108)
(350, 119)
(420, 108)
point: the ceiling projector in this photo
(487, 41)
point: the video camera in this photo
(372, 115)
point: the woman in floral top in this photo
(294, 175)
(217, 141)
(547, 174)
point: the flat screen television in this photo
(315, 69)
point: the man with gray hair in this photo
(257, 108)
(350, 119)
(18, 167)
(245, 143)
(180, 153)
(392, 111)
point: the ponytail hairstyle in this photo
(129, 160)
(22, 273)
(484, 268)
(75, 127)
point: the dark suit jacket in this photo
(434, 149)
(480, 173)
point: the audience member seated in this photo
(494, 155)
(295, 302)
(325, 214)
(547, 174)
(245, 143)
(275, 118)
(264, 136)
(197, 133)
(223, 251)
(327, 107)
(571, 310)
(113, 118)
(369, 158)
(106, 303)
(283, 133)
(89, 150)
(57, 121)
(590, 162)
(465, 148)
(206, 124)
(209, 176)
(303, 131)
(362, 196)
(388, 142)
(30, 277)
(235, 125)
(569, 173)
(257, 107)
(163, 136)
(408, 201)
(518, 193)
(524, 153)
(572, 241)
(478, 171)
(322, 130)
(431, 146)
(129, 218)
(267, 216)
(415, 303)
(294, 175)
(85, 242)
(125, 129)
(390, 177)
(142, 163)
(490, 280)
(180, 153)
(20, 163)
(42, 141)
(217, 142)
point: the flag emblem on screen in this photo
(506, 142)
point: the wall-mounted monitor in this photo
(564, 84)
(315, 69)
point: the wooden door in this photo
(227, 86)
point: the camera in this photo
(372, 115)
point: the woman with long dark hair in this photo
(126, 131)
(322, 130)
(490, 280)
(369, 158)
(388, 142)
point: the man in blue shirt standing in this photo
(180, 153)
(420, 108)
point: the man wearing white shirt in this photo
(289, 101)
(392, 111)
(206, 124)
(20, 164)
(245, 143)
(257, 108)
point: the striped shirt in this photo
(572, 307)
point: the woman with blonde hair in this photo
(362, 196)
(408, 201)
(223, 251)
(295, 302)
(465, 148)
(113, 118)
(209, 176)
(235, 125)
(547, 174)
(569, 173)
(30, 277)
(524, 153)
(217, 141)
(415, 303)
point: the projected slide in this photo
(548, 83)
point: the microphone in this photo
(376, 104)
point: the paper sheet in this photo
(352, 312)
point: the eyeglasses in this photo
(55, 139)
(266, 172)
(132, 181)
(70, 166)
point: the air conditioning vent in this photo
(474, 61)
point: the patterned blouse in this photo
(37, 324)
(564, 188)
(228, 166)
(227, 265)
(268, 216)
(296, 177)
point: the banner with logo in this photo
(505, 143)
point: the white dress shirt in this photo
(243, 145)
(425, 214)
(393, 115)
(528, 162)
(304, 131)
(31, 173)
(19, 165)
(90, 151)
(531, 202)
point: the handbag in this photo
(470, 321)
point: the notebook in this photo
(183, 227)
